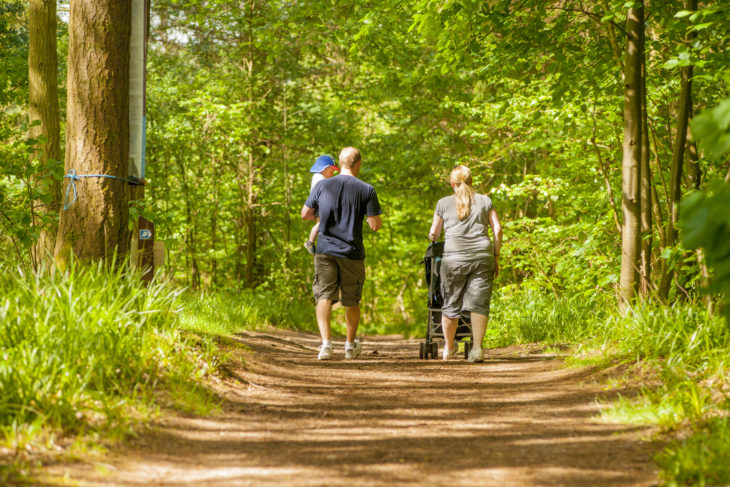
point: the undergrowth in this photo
(89, 350)
(248, 309)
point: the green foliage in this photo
(712, 129)
(705, 217)
(700, 459)
(706, 224)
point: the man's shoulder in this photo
(360, 185)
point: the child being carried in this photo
(324, 167)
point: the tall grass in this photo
(533, 316)
(687, 349)
(228, 312)
(83, 348)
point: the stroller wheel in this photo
(467, 348)
(434, 350)
(422, 350)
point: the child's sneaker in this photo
(476, 355)
(449, 352)
(325, 351)
(310, 247)
(353, 350)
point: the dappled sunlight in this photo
(288, 418)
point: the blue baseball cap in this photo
(322, 163)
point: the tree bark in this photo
(43, 107)
(631, 164)
(646, 186)
(97, 131)
(678, 152)
(250, 275)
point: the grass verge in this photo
(87, 352)
(682, 353)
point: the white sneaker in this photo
(325, 352)
(476, 355)
(449, 352)
(353, 351)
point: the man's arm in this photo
(436, 227)
(308, 213)
(375, 223)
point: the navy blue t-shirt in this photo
(343, 203)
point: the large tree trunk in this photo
(97, 131)
(680, 144)
(43, 107)
(631, 201)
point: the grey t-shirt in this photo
(467, 239)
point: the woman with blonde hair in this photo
(470, 261)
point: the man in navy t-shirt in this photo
(343, 202)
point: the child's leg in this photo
(315, 231)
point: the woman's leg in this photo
(478, 328)
(449, 326)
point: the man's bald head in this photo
(349, 157)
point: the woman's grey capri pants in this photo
(466, 286)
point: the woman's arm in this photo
(436, 227)
(497, 232)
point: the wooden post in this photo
(146, 248)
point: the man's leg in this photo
(325, 290)
(352, 277)
(352, 317)
(324, 317)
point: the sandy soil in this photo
(388, 418)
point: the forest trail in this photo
(387, 418)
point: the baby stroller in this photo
(429, 348)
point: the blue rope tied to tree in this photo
(77, 177)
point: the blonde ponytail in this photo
(461, 180)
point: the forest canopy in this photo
(243, 96)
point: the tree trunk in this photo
(97, 131)
(214, 225)
(249, 276)
(646, 187)
(680, 144)
(43, 107)
(632, 142)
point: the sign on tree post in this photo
(146, 248)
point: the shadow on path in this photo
(388, 418)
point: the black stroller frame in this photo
(434, 331)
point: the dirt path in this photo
(387, 419)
